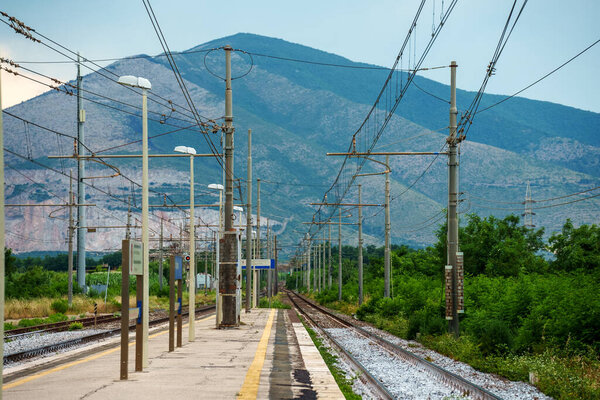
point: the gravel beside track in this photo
(401, 379)
(38, 340)
(508, 390)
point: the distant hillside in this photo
(297, 112)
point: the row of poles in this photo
(454, 278)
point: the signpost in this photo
(132, 258)
(175, 275)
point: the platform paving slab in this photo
(214, 366)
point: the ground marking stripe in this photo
(249, 389)
(83, 360)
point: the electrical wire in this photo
(540, 79)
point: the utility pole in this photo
(205, 265)
(192, 273)
(360, 248)
(2, 241)
(453, 140)
(160, 263)
(386, 271)
(71, 229)
(249, 269)
(128, 231)
(228, 261)
(258, 274)
(322, 270)
(259, 252)
(308, 265)
(316, 269)
(329, 258)
(269, 280)
(276, 267)
(340, 258)
(80, 186)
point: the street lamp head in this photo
(133, 81)
(185, 150)
(216, 186)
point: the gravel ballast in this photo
(400, 378)
(37, 340)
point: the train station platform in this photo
(270, 356)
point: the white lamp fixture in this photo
(134, 81)
(185, 150)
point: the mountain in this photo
(297, 111)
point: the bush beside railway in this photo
(523, 312)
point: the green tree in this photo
(576, 248)
(496, 247)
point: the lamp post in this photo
(192, 275)
(220, 188)
(145, 85)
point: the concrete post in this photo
(249, 227)
(228, 268)
(360, 249)
(81, 220)
(192, 273)
(340, 258)
(386, 270)
(452, 240)
(71, 229)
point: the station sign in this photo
(260, 263)
(136, 258)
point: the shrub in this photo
(75, 326)
(60, 306)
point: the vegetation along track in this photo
(19, 356)
(58, 326)
(327, 322)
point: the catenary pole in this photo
(192, 272)
(340, 258)
(257, 272)
(71, 229)
(81, 217)
(145, 235)
(452, 247)
(228, 269)
(160, 262)
(329, 258)
(2, 241)
(249, 271)
(387, 230)
(360, 249)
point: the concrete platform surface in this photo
(268, 357)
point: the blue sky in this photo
(548, 33)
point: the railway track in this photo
(27, 354)
(57, 326)
(327, 322)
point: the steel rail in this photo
(363, 373)
(445, 376)
(85, 339)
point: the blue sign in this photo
(178, 267)
(260, 263)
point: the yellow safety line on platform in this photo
(83, 360)
(250, 387)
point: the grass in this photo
(561, 374)
(344, 384)
(44, 307)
